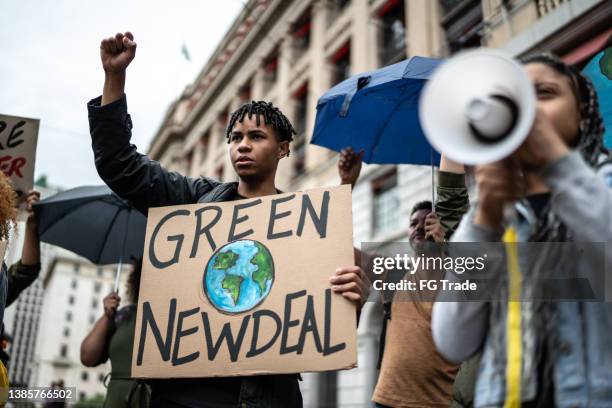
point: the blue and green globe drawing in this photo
(239, 276)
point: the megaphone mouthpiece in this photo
(491, 118)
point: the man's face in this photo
(255, 150)
(416, 230)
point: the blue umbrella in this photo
(378, 111)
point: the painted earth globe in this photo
(239, 276)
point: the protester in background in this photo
(412, 372)
(25, 271)
(258, 135)
(8, 214)
(20, 275)
(566, 347)
(112, 337)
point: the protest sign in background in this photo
(18, 137)
(242, 288)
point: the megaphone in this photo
(478, 107)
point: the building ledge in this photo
(548, 25)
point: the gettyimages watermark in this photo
(548, 271)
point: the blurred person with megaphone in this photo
(564, 348)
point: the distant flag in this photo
(185, 52)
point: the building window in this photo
(341, 63)
(71, 300)
(298, 146)
(336, 8)
(97, 287)
(94, 303)
(270, 70)
(74, 284)
(76, 268)
(66, 332)
(189, 160)
(301, 35)
(68, 316)
(447, 6)
(245, 92)
(101, 377)
(546, 6)
(92, 319)
(84, 376)
(462, 22)
(341, 3)
(392, 47)
(64, 350)
(386, 205)
(82, 396)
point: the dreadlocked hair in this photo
(8, 210)
(272, 116)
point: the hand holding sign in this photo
(117, 52)
(351, 283)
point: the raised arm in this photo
(452, 201)
(128, 173)
(24, 273)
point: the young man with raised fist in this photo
(258, 135)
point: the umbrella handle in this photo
(118, 276)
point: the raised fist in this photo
(117, 52)
(349, 166)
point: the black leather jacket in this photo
(146, 183)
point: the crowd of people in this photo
(432, 354)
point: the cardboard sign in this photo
(242, 287)
(18, 137)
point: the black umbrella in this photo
(92, 222)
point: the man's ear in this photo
(283, 149)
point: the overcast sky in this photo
(51, 67)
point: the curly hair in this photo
(133, 281)
(8, 209)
